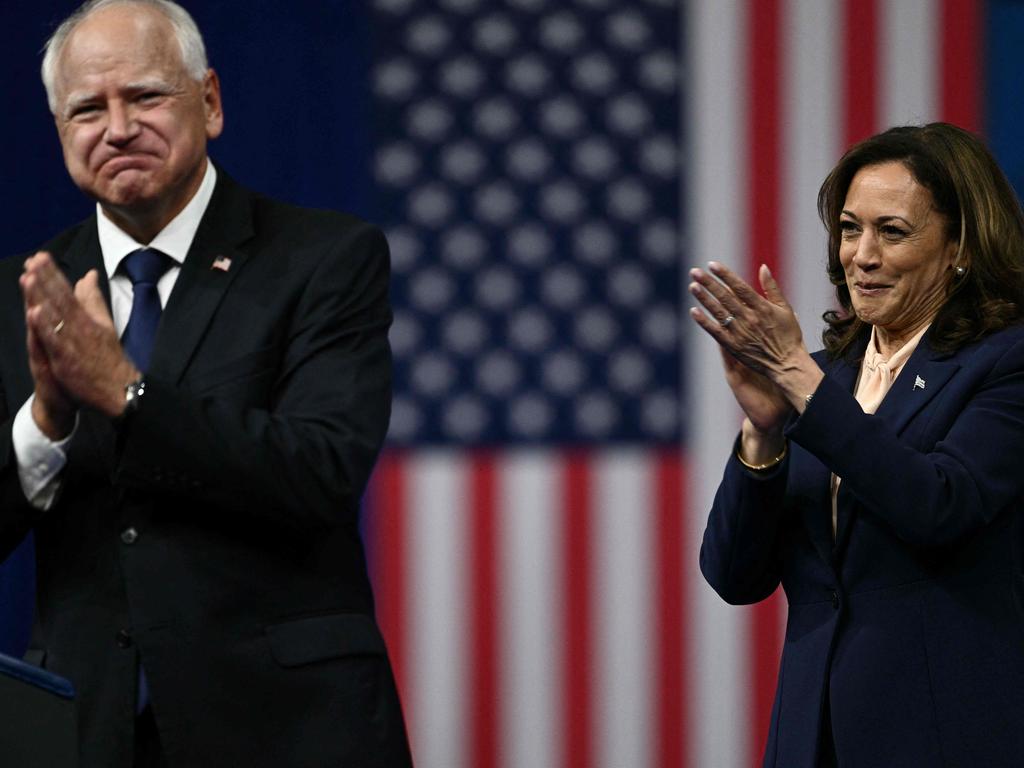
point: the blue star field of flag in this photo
(527, 172)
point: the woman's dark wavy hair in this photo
(982, 214)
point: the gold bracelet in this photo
(761, 467)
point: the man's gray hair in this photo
(193, 51)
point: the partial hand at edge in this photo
(84, 358)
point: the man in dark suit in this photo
(194, 385)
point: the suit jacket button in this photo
(129, 535)
(124, 638)
(835, 599)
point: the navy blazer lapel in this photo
(920, 379)
(200, 286)
(819, 526)
(845, 512)
(845, 369)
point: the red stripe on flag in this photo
(388, 533)
(961, 63)
(765, 651)
(483, 710)
(577, 665)
(765, 205)
(671, 553)
(860, 70)
(764, 73)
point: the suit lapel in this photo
(200, 286)
(922, 377)
(82, 255)
(845, 512)
(819, 526)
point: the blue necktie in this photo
(144, 268)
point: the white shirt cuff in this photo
(40, 459)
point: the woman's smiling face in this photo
(895, 250)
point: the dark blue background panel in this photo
(1004, 86)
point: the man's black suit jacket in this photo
(213, 535)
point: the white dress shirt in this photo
(40, 460)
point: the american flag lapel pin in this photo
(223, 263)
(918, 382)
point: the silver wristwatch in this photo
(133, 393)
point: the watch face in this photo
(133, 392)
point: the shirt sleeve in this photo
(40, 459)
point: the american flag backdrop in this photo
(546, 171)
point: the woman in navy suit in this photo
(881, 481)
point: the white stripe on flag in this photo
(907, 45)
(811, 109)
(438, 597)
(622, 600)
(716, 209)
(529, 492)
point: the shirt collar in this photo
(174, 240)
(873, 358)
